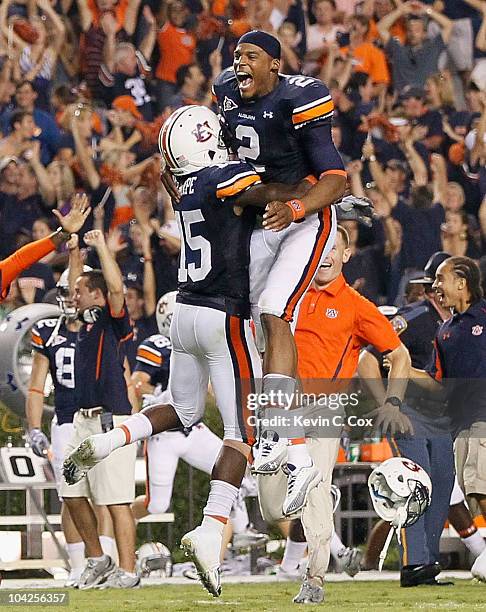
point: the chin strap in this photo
(396, 527)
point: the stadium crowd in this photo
(85, 86)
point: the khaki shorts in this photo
(470, 457)
(112, 481)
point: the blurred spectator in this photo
(22, 130)
(428, 122)
(48, 132)
(366, 57)
(124, 68)
(177, 47)
(321, 34)
(456, 238)
(418, 58)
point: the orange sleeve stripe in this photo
(37, 340)
(149, 356)
(238, 186)
(99, 355)
(312, 179)
(127, 337)
(313, 113)
(336, 171)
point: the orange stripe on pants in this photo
(311, 267)
(238, 342)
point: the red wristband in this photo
(298, 209)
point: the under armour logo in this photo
(229, 104)
(267, 114)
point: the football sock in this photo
(222, 496)
(280, 389)
(294, 551)
(75, 553)
(336, 545)
(475, 543)
(136, 427)
(107, 545)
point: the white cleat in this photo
(270, 454)
(89, 453)
(478, 569)
(204, 548)
(301, 481)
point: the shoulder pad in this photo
(309, 99)
(224, 78)
(157, 341)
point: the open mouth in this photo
(245, 80)
(326, 265)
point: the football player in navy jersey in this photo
(210, 332)
(53, 343)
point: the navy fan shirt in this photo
(61, 355)
(459, 361)
(153, 358)
(99, 369)
(285, 135)
(215, 242)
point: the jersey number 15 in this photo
(196, 244)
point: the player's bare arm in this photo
(258, 195)
(111, 271)
(34, 406)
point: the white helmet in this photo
(190, 139)
(154, 557)
(400, 491)
(62, 293)
(164, 312)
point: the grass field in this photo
(277, 597)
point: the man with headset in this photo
(102, 402)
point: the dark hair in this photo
(482, 269)
(421, 197)
(17, 117)
(65, 94)
(468, 269)
(24, 82)
(96, 280)
(49, 221)
(182, 73)
(331, 2)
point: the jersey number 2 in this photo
(252, 149)
(195, 243)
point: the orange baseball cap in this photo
(127, 103)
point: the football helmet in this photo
(164, 312)
(400, 491)
(63, 298)
(154, 557)
(191, 139)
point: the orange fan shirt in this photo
(177, 47)
(334, 324)
(368, 58)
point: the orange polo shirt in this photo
(371, 60)
(334, 324)
(177, 48)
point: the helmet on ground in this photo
(400, 490)
(154, 557)
(190, 140)
(63, 298)
(164, 312)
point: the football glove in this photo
(39, 442)
(354, 208)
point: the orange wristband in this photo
(298, 209)
(34, 390)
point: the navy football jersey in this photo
(99, 370)
(60, 352)
(215, 242)
(285, 135)
(153, 358)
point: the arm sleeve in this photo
(22, 259)
(233, 179)
(37, 342)
(149, 359)
(379, 68)
(321, 152)
(374, 328)
(122, 325)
